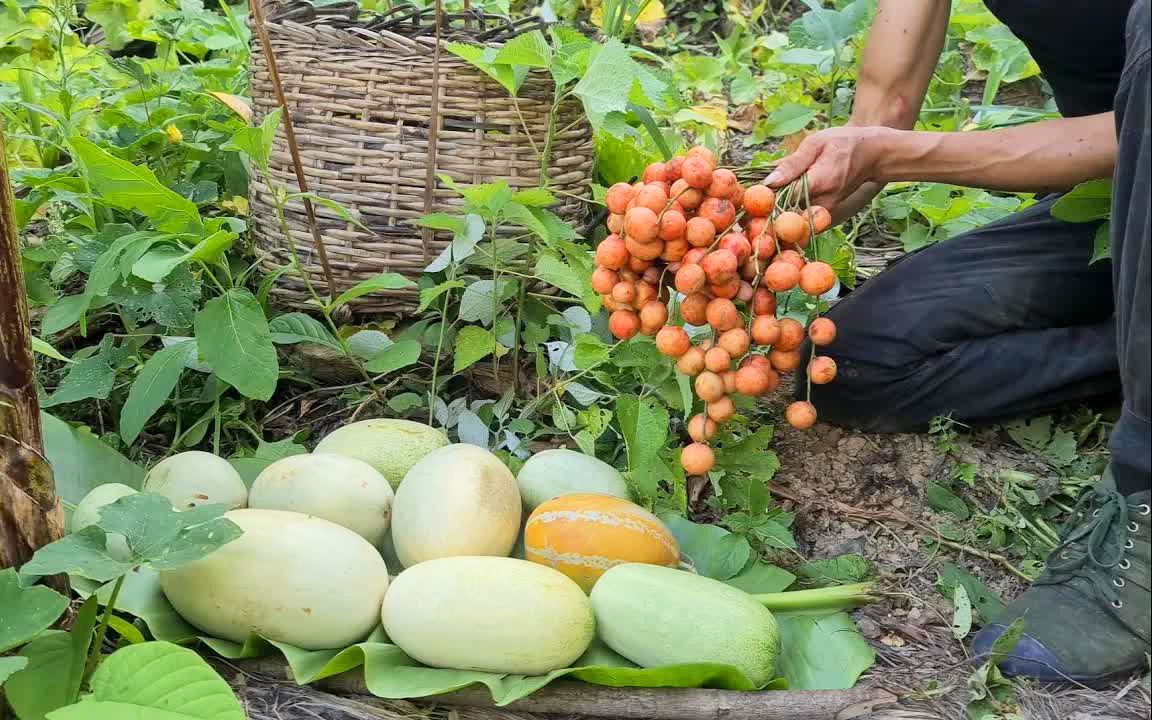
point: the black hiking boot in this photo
(1087, 618)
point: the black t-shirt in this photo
(1078, 45)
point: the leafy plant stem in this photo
(102, 630)
(841, 597)
(439, 346)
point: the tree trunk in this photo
(30, 512)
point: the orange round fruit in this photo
(751, 380)
(801, 415)
(618, 197)
(653, 197)
(691, 363)
(720, 266)
(722, 314)
(793, 258)
(791, 227)
(612, 253)
(781, 276)
(644, 250)
(583, 535)
(673, 341)
(717, 360)
(759, 200)
(697, 459)
(699, 232)
(721, 410)
(701, 428)
(697, 172)
(657, 171)
(709, 386)
(690, 279)
(765, 330)
(791, 335)
(724, 183)
(817, 278)
(603, 280)
(653, 313)
(734, 341)
(720, 211)
(673, 225)
(822, 370)
(763, 302)
(819, 218)
(784, 360)
(641, 224)
(822, 331)
(624, 324)
(694, 309)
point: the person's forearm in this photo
(1043, 156)
(900, 55)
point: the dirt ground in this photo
(851, 492)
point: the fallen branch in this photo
(577, 698)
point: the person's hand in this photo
(840, 163)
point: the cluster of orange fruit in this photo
(726, 250)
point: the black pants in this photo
(1010, 319)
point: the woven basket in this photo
(361, 101)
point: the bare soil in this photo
(863, 493)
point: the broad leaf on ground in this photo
(45, 684)
(27, 611)
(713, 551)
(822, 652)
(11, 665)
(155, 681)
(296, 327)
(381, 282)
(267, 453)
(81, 461)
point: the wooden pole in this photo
(585, 700)
(30, 512)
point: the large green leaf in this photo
(155, 532)
(11, 665)
(398, 355)
(45, 685)
(296, 327)
(155, 681)
(152, 387)
(27, 611)
(1088, 201)
(822, 652)
(81, 461)
(644, 425)
(473, 344)
(383, 281)
(714, 551)
(255, 143)
(89, 378)
(133, 187)
(233, 339)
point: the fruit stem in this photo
(840, 597)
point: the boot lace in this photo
(1093, 544)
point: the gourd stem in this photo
(842, 597)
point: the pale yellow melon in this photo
(194, 478)
(459, 500)
(391, 446)
(492, 614)
(294, 578)
(347, 491)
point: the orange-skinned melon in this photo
(583, 535)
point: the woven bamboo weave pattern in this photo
(361, 103)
